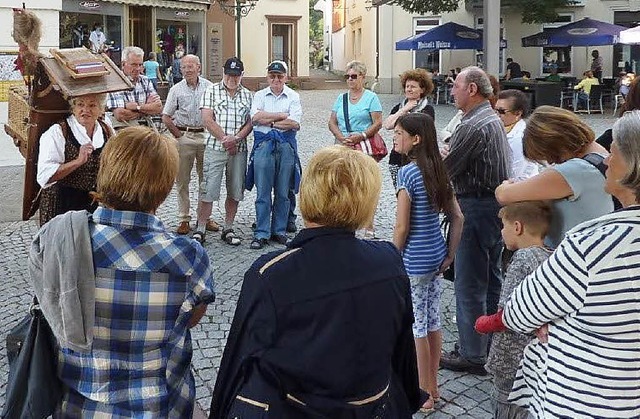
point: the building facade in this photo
(370, 33)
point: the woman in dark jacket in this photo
(309, 338)
(417, 85)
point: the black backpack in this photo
(598, 161)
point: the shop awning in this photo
(170, 4)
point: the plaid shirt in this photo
(231, 113)
(147, 284)
(141, 91)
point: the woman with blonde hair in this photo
(417, 85)
(364, 112)
(574, 180)
(131, 290)
(308, 338)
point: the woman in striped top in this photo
(584, 303)
(424, 191)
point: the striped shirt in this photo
(479, 156)
(230, 112)
(287, 102)
(147, 284)
(424, 248)
(588, 292)
(183, 103)
(142, 89)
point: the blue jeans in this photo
(273, 168)
(477, 267)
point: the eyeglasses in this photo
(276, 76)
(502, 111)
(350, 76)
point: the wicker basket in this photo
(18, 120)
(5, 86)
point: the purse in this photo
(445, 225)
(33, 389)
(372, 146)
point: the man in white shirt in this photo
(276, 113)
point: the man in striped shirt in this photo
(477, 162)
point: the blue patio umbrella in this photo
(446, 36)
(581, 33)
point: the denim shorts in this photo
(425, 296)
(217, 163)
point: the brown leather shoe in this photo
(212, 226)
(183, 228)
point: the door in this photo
(140, 28)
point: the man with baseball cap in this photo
(225, 108)
(276, 113)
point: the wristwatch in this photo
(137, 108)
(272, 125)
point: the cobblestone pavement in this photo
(462, 395)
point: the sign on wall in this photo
(214, 47)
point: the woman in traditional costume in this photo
(69, 158)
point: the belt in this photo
(191, 129)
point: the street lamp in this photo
(238, 11)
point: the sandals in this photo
(229, 237)
(198, 236)
(257, 244)
(429, 405)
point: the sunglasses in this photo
(350, 76)
(502, 111)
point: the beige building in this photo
(369, 34)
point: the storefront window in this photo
(427, 59)
(177, 30)
(557, 57)
(77, 20)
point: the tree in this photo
(315, 35)
(533, 11)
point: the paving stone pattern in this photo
(462, 395)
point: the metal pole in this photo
(238, 16)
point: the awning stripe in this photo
(171, 4)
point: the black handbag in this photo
(445, 225)
(33, 389)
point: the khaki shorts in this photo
(215, 164)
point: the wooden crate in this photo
(18, 120)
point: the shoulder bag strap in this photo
(345, 110)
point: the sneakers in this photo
(258, 244)
(183, 228)
(279, 239)
(212, 226)
(455, 362)
(292, 227)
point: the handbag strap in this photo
(345, 111)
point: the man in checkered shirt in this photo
(225, 108)
(128, 107)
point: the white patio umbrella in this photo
(630, 36)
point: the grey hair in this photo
(191, 57)
(626, 135)
(476, 75)
(100, 97)
(357, 66)
(127, 51)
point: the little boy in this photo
(524, 226)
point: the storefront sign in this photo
(214, 50)
(182, 14)
(89, 5)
